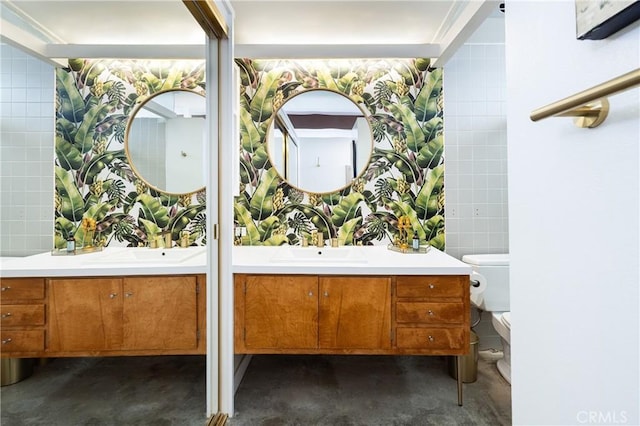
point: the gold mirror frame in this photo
(183, 152)
(275, 119)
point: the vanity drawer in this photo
(17, 315)
(22, 341)
(429, 338)
(429, 286)
(430, 312)
(22, 288)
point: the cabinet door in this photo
(355, 312)
(281, 312)
(160, 313)
(85, 314)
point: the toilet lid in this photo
(486, 259)
(506, 319)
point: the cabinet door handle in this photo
(5, 341)
(113, 295)
(310, 293)
(326, 294)
(431, 286)
(6, 288)
(7, 315)
(128, 294)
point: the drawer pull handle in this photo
(113, 295)
(5, 341)
(128, 294)
(430, 312)
(6, 288)
(431, 286)
(431, 339)
(7, 315)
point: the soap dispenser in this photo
(71, 243)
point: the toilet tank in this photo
(495, 269)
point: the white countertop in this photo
(116, 261)
(378, 260)
(98, 263)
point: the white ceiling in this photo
(54, 29)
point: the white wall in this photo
(574, 225)
(26, 153)
(184, 156)
(332, 155)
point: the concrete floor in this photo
(277, 390)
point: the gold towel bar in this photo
(589, 106)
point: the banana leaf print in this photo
(412, 129)
(427, 199)
(93, 177)
(405, 169)
(262, 102)
(346, 209)
(182, 220)
(250, 135)
(268, 227)
(262, 200)
(427, 100)
(347, 230)
(69, 157)
(71, 102)
(72, 204)
(243, 217)
(153, 211)
(431, 153)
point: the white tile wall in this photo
(26, 153)
(475, 122)
(476, 151)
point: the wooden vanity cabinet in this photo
(355, 313)
(128, 315)
(410, 315)
(22, 313)
(432, 314)
(280, 312)
(312, 314)
(103, 316)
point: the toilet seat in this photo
(506, 319)
(502, 328)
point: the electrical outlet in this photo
(477, 212)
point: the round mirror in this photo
(165, 141)
(319, 141)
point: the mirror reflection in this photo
(319, 141)
(165, 141)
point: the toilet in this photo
(491, 271)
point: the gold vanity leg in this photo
(459, 378)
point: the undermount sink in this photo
(319, 255)
(146, 255)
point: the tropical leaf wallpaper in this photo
(404, 178)
(93, 180)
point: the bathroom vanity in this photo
(352, 314)
(350, 300)
(108, 303)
